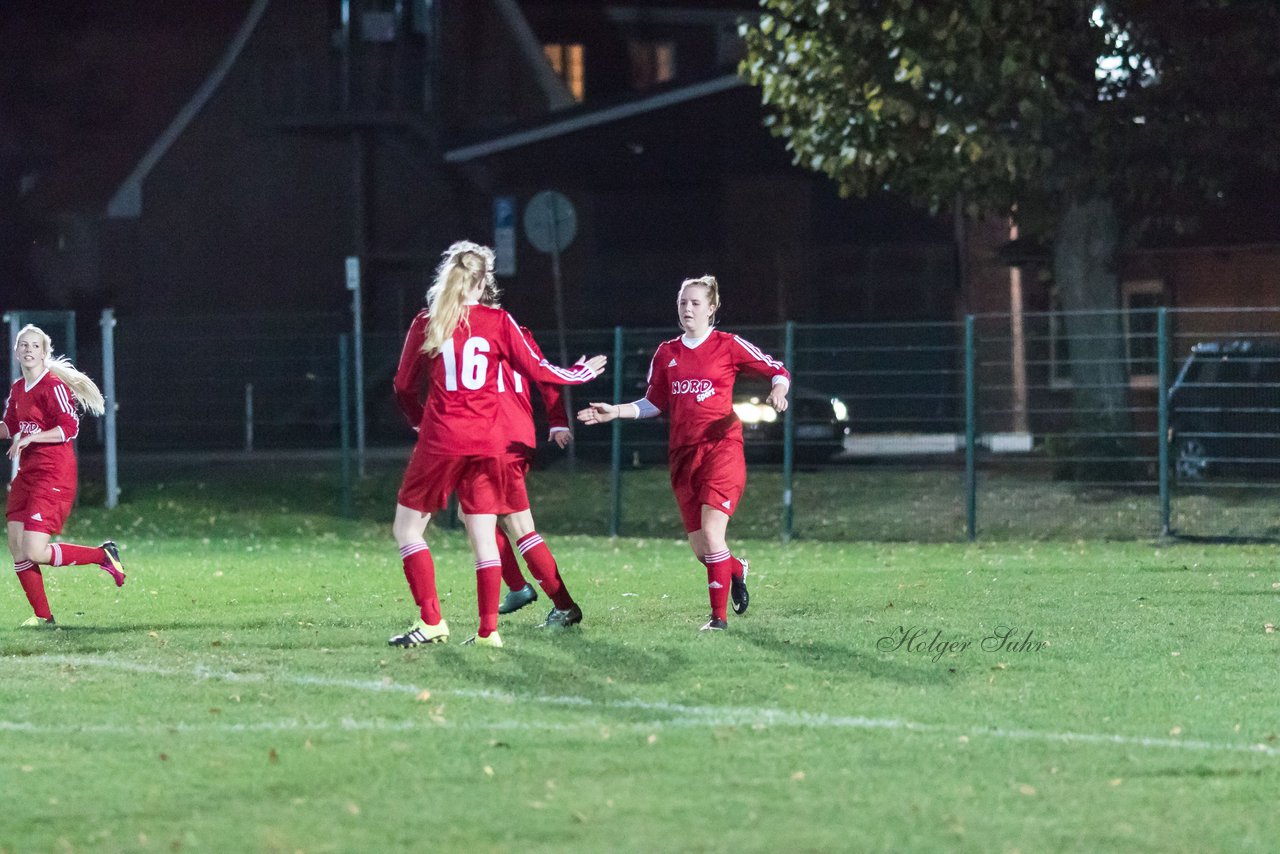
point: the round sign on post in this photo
(550, 222)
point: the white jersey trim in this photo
(579, 372)
(31, 385)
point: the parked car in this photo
(1224, 410)
(820, 422)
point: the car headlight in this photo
(841, 411)
(754, 412)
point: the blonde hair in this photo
(709, 282)
(83, 389)
(464, 265)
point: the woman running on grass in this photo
(42, 417)
(691, 382)
(461, 447)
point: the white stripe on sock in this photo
(413, 549)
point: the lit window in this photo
(652, 63)
(566, 61)
(1140, 301)
(1141, 340)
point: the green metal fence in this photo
(1131, 424)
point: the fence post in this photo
(248, 418)
(1162, 408)
(615, 441)
(357, 328)
(788, 441)
(344, 425)
(970, 433)
(108, 324)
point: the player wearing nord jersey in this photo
(691, 382)
(41, 417)
(458, 347)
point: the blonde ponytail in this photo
(465, 264)
(84, 390)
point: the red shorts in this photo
(39, 505)
(711, 473)
(484, 484)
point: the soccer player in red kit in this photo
(518, 423)
(691, 382)
(41, 418)
(459, 346)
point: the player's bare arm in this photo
(599, 413)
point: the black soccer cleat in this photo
(715, 624)
(738, 591)
(562, 619)
(421, 633)
(517, 599)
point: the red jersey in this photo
(463, 411)
(47, 404)
(693, 386)
(517, 407)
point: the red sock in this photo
(488, 588)
(511, 575)
(420, 572)
(542, 566)
(719, 571)
(736, 565)
(69, 554)
(33, 585)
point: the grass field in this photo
(238, 695)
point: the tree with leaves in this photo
(1085, 121)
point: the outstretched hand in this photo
(598, 413)
(595, 364)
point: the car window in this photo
(1269, 368)
(1203, 369)
(1235, 371)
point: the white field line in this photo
(674, 714)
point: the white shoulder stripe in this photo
(64, 399)
(757, 353)
(577, 373)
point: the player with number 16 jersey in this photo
(459, 346)
(464, 412)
